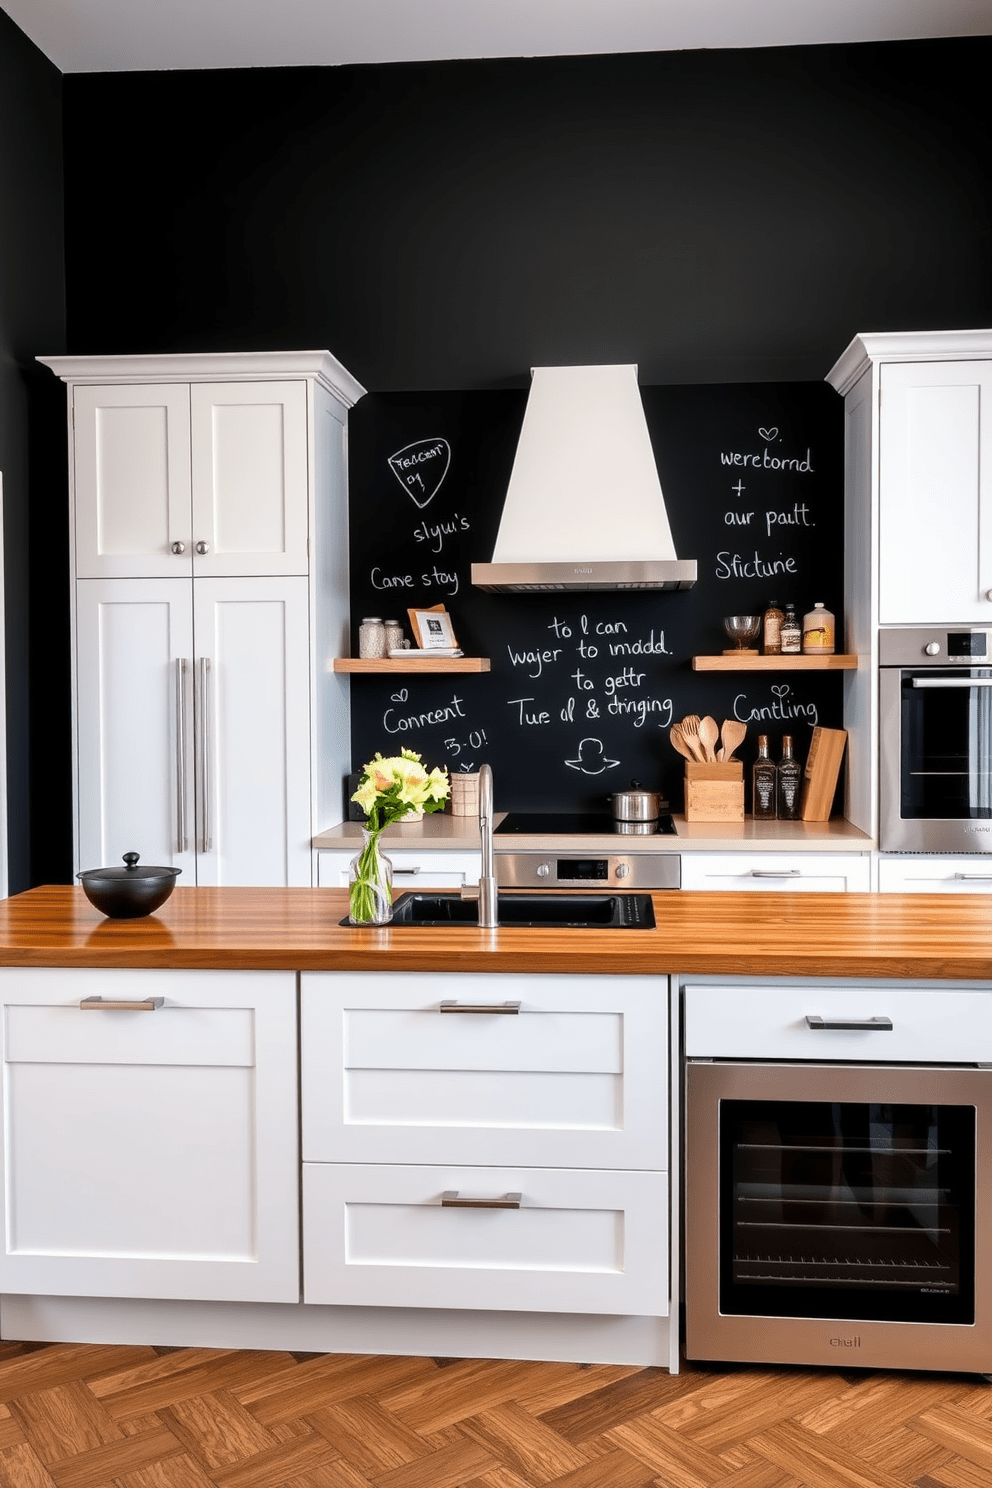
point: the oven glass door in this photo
(946, 745)
(841, 1209)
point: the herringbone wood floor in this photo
(100, 1416)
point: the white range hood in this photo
(584, 508)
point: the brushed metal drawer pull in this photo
(479, 1007)
(123, 1005)
(854, 1025)
(979, 877)
(404, 872)
(776, 873)
(451, 1199)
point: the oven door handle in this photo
(951, 681)
(852, 1025)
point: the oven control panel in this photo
(561, 870)
(930, 646)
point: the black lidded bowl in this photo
(128, 893)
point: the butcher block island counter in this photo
(849, 935)
(240, 1123)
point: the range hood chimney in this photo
(584, 508)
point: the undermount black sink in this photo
(552, 911)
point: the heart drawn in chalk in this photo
(768, 435)
(781, 690)
(421, 467)
(399, 697)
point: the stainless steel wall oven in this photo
(838, 1205)
(935, 776)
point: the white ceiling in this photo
(139, 35)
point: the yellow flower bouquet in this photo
(388, 790)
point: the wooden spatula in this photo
(731, 735)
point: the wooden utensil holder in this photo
(714, 793)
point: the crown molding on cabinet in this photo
(225, 366)
(905, 346)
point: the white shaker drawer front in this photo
(593, 1242)
(803, 1023)
(412, 869)
(770, 872)
(967, 874)
(546, 1070)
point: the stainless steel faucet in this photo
(488, 893)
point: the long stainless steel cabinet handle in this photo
(776, 873)
(857, 1025)
(480, 1007)
(121, 1005)
(182, 832)
(952, 681)
(205, 731)
(452, 1199)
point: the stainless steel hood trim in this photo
(523, 578)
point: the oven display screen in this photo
(847, 1209)
(967, 643)
(583, 869)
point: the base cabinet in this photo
(938, 873)
(819, 873)
(150, 1139)
(428, 1100)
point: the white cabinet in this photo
(798, 872)
(149, 1143)
(193, 726)
(210, 533)
(935, 492)
(190, 478)
(428, 1100)
(413, 868)
(939, 873)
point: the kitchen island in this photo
(294, 1150)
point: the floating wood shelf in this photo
(774, 663)
(415, 664)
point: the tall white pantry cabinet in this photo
(209, 540)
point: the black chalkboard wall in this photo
(584, 687)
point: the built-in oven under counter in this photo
(838, 1139)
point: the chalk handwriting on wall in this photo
(421, 467)
(758, 565)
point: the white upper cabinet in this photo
(935, 493)
(132, 481)
(208, 478)
(249, 478)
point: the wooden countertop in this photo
(747, 934)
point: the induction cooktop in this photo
(579, 824)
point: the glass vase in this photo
(370, 884)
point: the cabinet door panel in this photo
(131, 481)
(575, 1079)
(134, 758)
(580, 1241)
(250, 484)
(253, 731)
(150, 1154)
(791, 873)
(935, 493)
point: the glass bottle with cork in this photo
(771, 629)
(789, 778)
(791, 633)
(763, 783)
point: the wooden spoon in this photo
(708, 735)
(731, 735)
(678, 742)
(690, 733)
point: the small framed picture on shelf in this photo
(432, 629)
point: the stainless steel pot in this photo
(636, 804)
